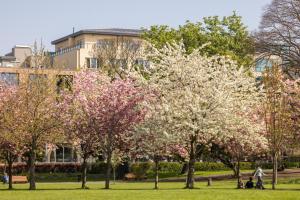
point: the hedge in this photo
(21, 168)
(140, 169)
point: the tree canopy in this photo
(226, 36)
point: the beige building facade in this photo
(75, 51)
(16, 57)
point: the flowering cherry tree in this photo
(11, 137)
(109, 110)
(151, 141)
(78, 121)
(116, 110)
(196, 92)
(39, 118)
(244, 137)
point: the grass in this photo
(73, 177)
(221, 190)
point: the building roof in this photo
(112, 31)
(7, 58)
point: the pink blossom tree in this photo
(77, 116)
(12, 143)
(116, 110)
(109, 110)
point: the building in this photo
(75, 51)
(16, 57)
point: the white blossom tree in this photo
(197, 93)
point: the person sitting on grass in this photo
(249, 184)
(241, 183)
(5, 178)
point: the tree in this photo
(11, 138)
(78, 121)
(119, 56)
(227, 37)
(292, 91)
(279, 34)
(197, 92)
(244, 138)
(277, 115)
(111, 109)
(151, 140)
(39, 117)
(39, 58)
(118, 109)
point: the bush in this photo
(140, 169)
(58, 167)
(97, 168)
(170, 167)
(291, 164)
(247, 165)
(18, 168)
(21, 168)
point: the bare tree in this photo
(119, 56)
(279, 34)
(277, 116)
(40, 58)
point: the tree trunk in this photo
(10, 163)
(274, 177)
(191, 166)
(156, 162)
(239, 186)
(83, 174)
(108, 170)
(114, 173)
(32, 159)
(235, 170)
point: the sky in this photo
(24, 21)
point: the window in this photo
(142, 62)
(36, 77)
(80, 44)
(65, 154)
(262, 64)
(10, 78)
(92, 63)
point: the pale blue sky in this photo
(23, 21)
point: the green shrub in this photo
(247, 165)
(97, 168)
(140, 169)
(291, 164)
(170, 167)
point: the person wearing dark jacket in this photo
(249, 184)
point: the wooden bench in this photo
(19, 179)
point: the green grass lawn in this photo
(73, 177)
(222, 190)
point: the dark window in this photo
(9, 78)
(36, 77)
(92, 63)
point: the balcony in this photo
(66, 50)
